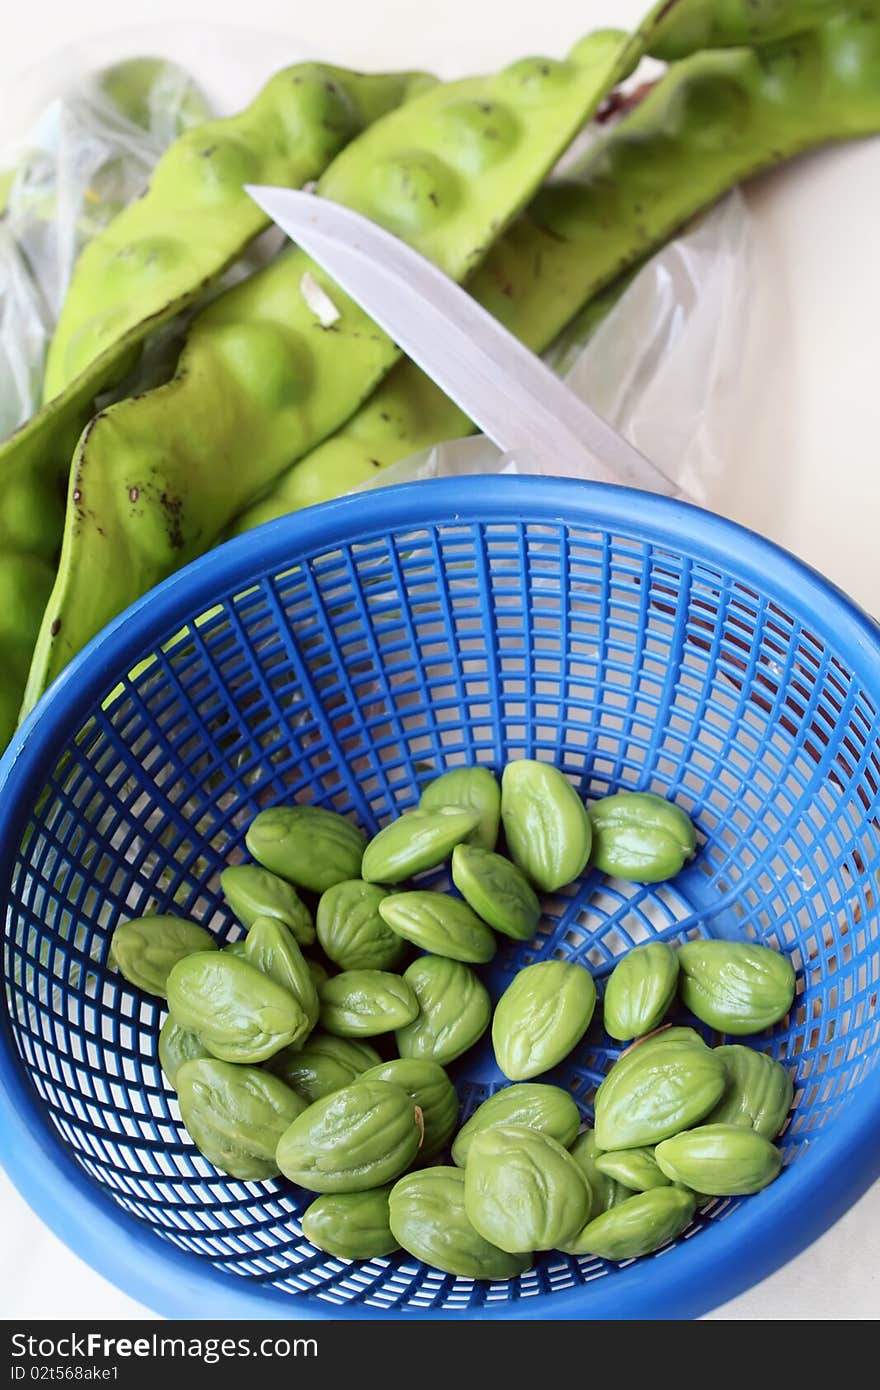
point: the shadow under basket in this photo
(345, 657)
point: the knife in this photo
(504, 388)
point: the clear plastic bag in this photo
(660, 365)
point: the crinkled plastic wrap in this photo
(659, 362)
(88, 154)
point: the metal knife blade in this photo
(504, 388)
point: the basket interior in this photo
(352, 677)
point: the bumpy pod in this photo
(365, 1003)
(253, 892)
(522, 1190)
(720, 1160)
(272, 949)
(438, 923)
(541, 1016)
(156, 481)
(548, 1109)
(176, 1046)
(757, 1094)
(640, 989)
(546, 823)
(636, 1169)
(311, 847)
(240, 1014)
(352, 1225)
(454, 1010)
(428, 1218)
(640, 837)
(417, 841)
(147, 948)
(236, 1115)
(147, 266)
(431, 1090)
(710, 122)
(606, 1193)
(691, 25)
(736, 986)
(656, 1090)
(350, 930)
(497, 891)
(360, 1137)
(324, 1065)
(473, 789)
(636, 1226)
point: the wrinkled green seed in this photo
(176, 1046)
(454, 1010)
(364, 1003)
(428, 1218)
(636, 1226)
(736, 986)
(640, 989)
(548, 1109)
(236, 1115)
(640, 837)
(720, 1160)
(472, 789)
(311, 847)
(350, 930)
(541, 1016)
(253, 892)
(351, 1225)
(660, 1087)
(497, 891)
(431, 1090)
(240, 1014)
(147, 948)
(360, 1137)
(636, 1169)
(271, 947)
(440, 924)
(757, 1094)
(522, 1190)
(546, 824)
(417, 841)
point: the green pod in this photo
(428, 1219)
(364, 1003)
(522, 1190)
(351, 1225)
(541, 1016)
(417, 841)
(736, 986)
(350, 930)
(636, 1169)
(236, 1115)
(355, 1139)
(640, 989)
(176, 1046)
(691, 25)
(758, 1091)
(253, 892)
(308, 846)
(454, 1010)
(656, 1090)
(324, 1065)
(157, 480)
(545, 822)
(497, 891)
(547, 1109)
(471, 789)
(147, 948)
(431, 1090)
(271, 947)
(240, 1014)
(720, 1160)
(438, 923)
(640, 837)
(636, 1226)
(606, 1193)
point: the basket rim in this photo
(768, 1230)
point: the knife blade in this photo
(504, 388)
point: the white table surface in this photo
(806, 471)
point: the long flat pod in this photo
(157, 480)
(195, 218)
(713, 120)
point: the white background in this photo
(807, 470)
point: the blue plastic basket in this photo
(346, 656)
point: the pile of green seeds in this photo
(268, 1050)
